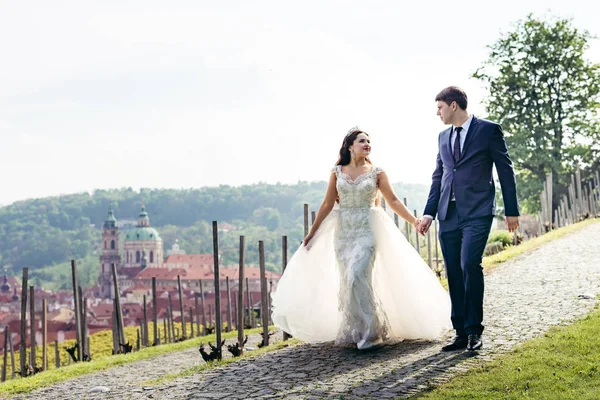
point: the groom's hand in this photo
(512, 223)
(424, 225)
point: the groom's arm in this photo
(506, 172)
(434, 192)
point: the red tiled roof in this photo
(138, 287)
(6, 299)
(131, 309)
(163, 274)
(102, 310)
(130, 272)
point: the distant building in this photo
(175, 250)
(142, 260)
(110, 254)
(143, 248)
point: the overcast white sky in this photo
(185, 94)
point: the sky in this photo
(185, 94)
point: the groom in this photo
(462, 195)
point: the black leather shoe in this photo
(459, 343)
(475, 342)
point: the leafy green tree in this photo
(546, 95)
(267, 216)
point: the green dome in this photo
(142, 233)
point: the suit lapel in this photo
(470, 135)
(446, 143)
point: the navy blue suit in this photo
(465, 223)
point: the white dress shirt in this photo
(463, 134)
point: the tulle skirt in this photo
(306, 302)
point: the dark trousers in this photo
(463, 241)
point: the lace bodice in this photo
(358, 193)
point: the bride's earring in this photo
(352, 154)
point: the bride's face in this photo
(362, 145)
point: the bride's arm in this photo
(325, 208)
(392, 200)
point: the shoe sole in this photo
(456, 349)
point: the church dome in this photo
(142, 233)
(143, 230)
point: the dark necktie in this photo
(456, 151)
(457, 143)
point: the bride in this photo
(356, 279)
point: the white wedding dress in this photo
(360, 281)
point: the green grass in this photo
(50, 377)
(514, 251)
(201, 367)
(562, 364)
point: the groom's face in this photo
(445, 112)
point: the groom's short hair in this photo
(453, 93)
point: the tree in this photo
(546, 96)
(267, 216)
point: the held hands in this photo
(417, 222)
(423, 226)
(512, 223)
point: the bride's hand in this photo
(307, 239)
(416, 223)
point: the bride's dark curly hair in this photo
(344, 158)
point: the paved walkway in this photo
(524, 297)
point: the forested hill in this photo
(43, 232)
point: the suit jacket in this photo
(471, 175)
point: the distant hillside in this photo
(45, 232)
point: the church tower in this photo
(110, 255)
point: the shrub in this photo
(501, 235)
